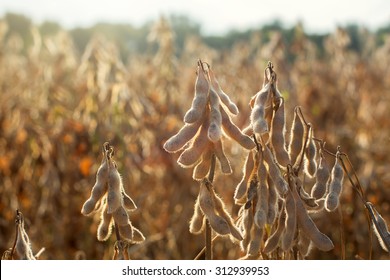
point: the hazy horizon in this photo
(214, 17)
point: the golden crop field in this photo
(58, 108)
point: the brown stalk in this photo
(202, 252)
(18, 219)
(109, 153)
(209, 253)
(208, 231)
(342, 236)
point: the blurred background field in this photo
(64, 92)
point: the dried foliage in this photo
(57, 107)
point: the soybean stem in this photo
(17, 224)
(209, 253)
(200, 254)
(342, 237)
(118, 236)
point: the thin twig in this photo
(201, 252)
(370, 233)
(358, 185)
(40, 252)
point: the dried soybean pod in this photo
(337, 170)
(260, 217)
(274, 87)
(223, 160)
(261, 213)
(217, 223)
(221, 210)
(273, 240)
(185, 134)
(322, 177)
(138, 237)
(257, 117)
(255, 244)
(381, 231)
(29, 253)
(335, 186)
(91, 204)
(234, 132)
(240, 218)
(272, 202)
(128, 203)
(202, 168)
(247, 223)
(199, 102)
(296, 137)
(260, 125)
(261, 97)
(219, 205)
(222, 95)
(278, 131)
(320, 240)
(252, 192)
(274, 172)
(304, 244)
(247, 171)
(98, 190)
(215, 128)
(126, 231)
(235, 232)
(290, 223)
(206, 202)
(120, 216)
(105, 225)
(22, 246)
(310, 164)
(114, 194)
(197, 221)
(191, 155)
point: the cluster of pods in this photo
(108, 197)
(275, 205)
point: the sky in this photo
(214, 16)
